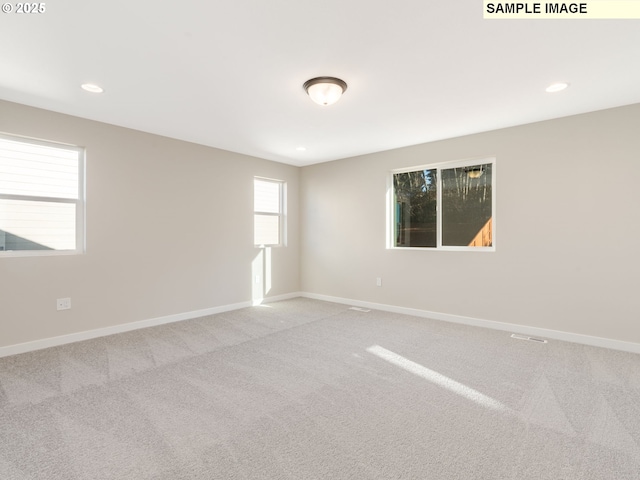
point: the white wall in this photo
(169, 230)
(567, 233)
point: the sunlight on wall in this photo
(267, 270)
(436, 378)
(261, 275)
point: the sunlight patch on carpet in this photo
(436, 378)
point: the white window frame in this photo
(282, 198)
(79, 201)
(390, 233)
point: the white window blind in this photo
(267, 206)
(41, 196)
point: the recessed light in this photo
(91, 87)
(556, 87)
(301, 149)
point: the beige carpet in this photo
(304, 389)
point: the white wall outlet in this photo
(378, 282)
(63, 303)
(257, 278)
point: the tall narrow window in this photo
(268, 223)
(41, 197)
(448, 206)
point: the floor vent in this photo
(531, 339)
(358, 309)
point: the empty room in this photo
(282, 240)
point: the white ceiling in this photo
(229, 74)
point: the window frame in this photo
(282, 199)
(439, 166)
(79, 202)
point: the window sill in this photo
(37, 253)
(446, 249)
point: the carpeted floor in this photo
(303, 389)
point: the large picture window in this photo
(445, 206)
(268, 212)
(41, 197)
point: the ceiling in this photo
(229, 74)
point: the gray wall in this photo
(169, 230)
(567, 229)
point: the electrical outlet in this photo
(378, 282)
(63, 303)
(257, 278)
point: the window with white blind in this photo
(268, 217)
(41, 197)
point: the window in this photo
(268, 218)
(41, 197)
(445, 206)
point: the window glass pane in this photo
(466, 206)
(38, 170)
(266, 196)
(415, 209)
(266, 229)
(31, 225)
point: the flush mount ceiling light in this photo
(556, 87)
(91, 87)
(474, 172)
(325, 90)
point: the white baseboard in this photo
(127, 327)
(477, 322)
(276, 298)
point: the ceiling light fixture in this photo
(474, 172)
(325, 90)
(91, 87)
(556, 87)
